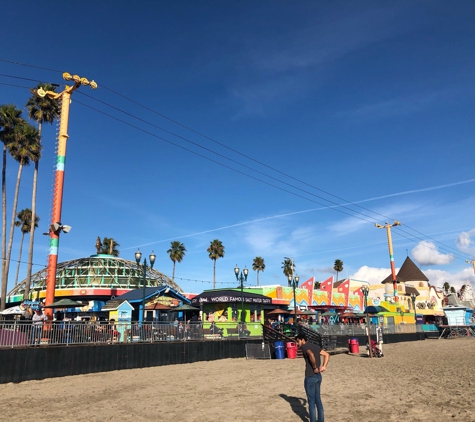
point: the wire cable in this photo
(235, 151)
(217, 162)
(445, 248)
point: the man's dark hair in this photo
(301, 336)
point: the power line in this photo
(260, 180)
(16, 86)
(24, 79)
(204, 281)
(230, 159)
(214, 152)
(30, 65)
(221, 164)
(335, 205)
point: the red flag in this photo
(345, 289)
(309, 285)
(327, 286)
(359, 293)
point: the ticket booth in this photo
(121, 312)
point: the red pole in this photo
(59, 183)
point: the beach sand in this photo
(431, 380)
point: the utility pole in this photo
(65, 98)
(391, 254)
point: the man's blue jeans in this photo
(312, 388)
(35, 335)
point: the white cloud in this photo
(274, 239)
(465, 242)
(426, 253)
(438, 277)
(371, 275)
(396, 106)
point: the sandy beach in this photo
(431, 380)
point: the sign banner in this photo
(231, 299)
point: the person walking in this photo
(314, 367)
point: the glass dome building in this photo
(97, 278)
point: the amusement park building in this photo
(93, 281)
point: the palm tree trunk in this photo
(33, 216)
(3, 294)
(258, 278)
(19, 258)
(12, 224)
(336, 277)
(173, 274)
(32, 230)
(214, 275)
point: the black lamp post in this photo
(241, 278)
(413, 299)
(143, 267)
(365, 290)
(294, 282)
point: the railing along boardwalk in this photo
(24, 333)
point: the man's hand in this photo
(322, 369)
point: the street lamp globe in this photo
(138, 256)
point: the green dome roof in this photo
(95, 272)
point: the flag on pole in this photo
(309, 285)
(345, 289)
(327, 286)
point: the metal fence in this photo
(24, 333)
(360, 329)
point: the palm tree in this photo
(258, 265)
(24, 146)
(446, 287)
(9, 118)
(317, 285)
(338, 267)
(289, 267)
(215, 250)
(24, 222)
(109, 247)
(41, 110)
(177, 253)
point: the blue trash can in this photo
(279, 350)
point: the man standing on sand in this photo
(313, 375)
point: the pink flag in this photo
(327, 286)
(309, 284)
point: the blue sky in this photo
(320, 109)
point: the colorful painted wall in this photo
(285, 296)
